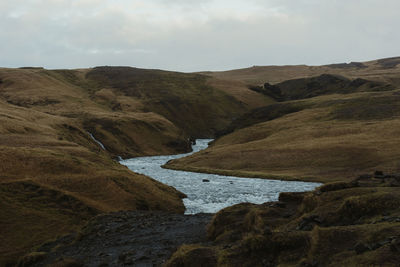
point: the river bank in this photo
(136, 238)
(339, 224)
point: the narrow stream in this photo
(220, 192)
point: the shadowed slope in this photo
(185, 99)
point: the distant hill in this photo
(384, 70)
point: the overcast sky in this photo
(194, 35)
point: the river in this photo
(220, 192)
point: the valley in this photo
(325, 124)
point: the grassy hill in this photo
(324, 128)
(54, 176)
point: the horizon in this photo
(214, 70)
(195, 36)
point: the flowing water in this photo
(97, 141)
(220, 192)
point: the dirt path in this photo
(127, 238)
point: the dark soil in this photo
(136, 238)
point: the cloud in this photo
(192, 35)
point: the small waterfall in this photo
(97, 141)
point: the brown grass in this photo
(332, 138)
(54, 177)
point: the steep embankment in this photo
(339, 224)
(324, 128)
(54, 176)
